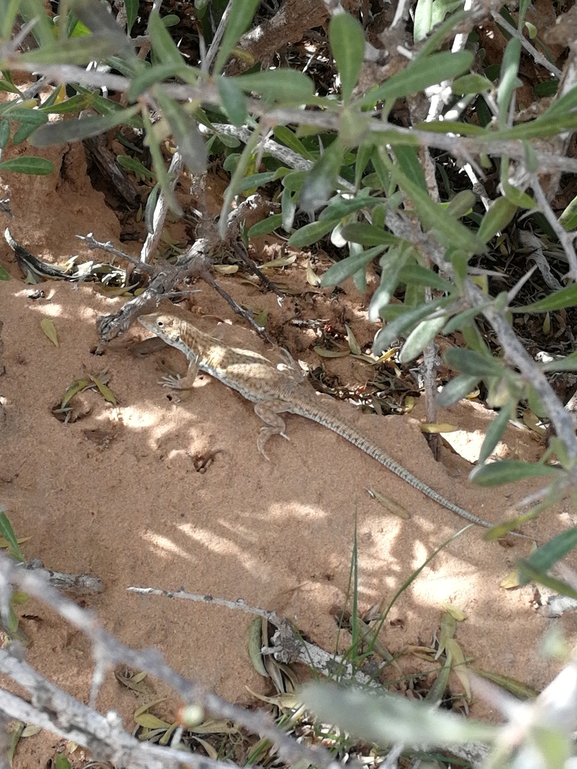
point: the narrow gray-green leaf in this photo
(265, 226)
(383, 718)
(493, 434)
(185, 132)
(162, 43)
(457, 388)
(349, 266)
(240, 17)
(557, 548)
(321, 180)
(7, 532)
(473, 363)
(415, 274)
(423, 23)
(563, 364)
(509, 471)
(508, 80)
(397, 327)
(450, 230)
(392, 262)
(421, 74)
(497, 217)
(528, 574)
(3, 274)
(73, 130)
(135, 166)
(367, 234)
(310, 233)
(558, 300)
(155, 74)
(284, 87)
(287, 137)
(98, 19)
(420, 337)
(471, 84)
(28, 164)
(131, 13)
(462, 319)
(151, 141)
(347, 40)
(233, 99)
(340, 207)
(75, 50)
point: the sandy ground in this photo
(116, 493)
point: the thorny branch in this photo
(66, 713)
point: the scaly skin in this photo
(274, 389)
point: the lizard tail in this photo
(354, 436)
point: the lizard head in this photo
(163, 325)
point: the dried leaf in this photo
(225, 269)
(324, 353)
(213, 726)
(50, 330)
(282, 701)
(150, 722)
(261, 318)
(437, 427)
(454, 611)
(105, 391)
(533, 422)
(312, 277)
(391, 506)
(143, 708)
(518, 688)
(73, 389)
(354, 346)
(211, 752)
(4, 542)
(15, 734)
(511, 581)
(30, 730)
(459, 665)
(282, 261)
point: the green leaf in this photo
(473, 363)
(471, 84)
(310, 233)
(535, 129)
(508, 81)
(457, 388)
(368, 235)
(568, 218)
(349, 266)
(397, 327)
(287, 137)
(558, 300)
(131, 7)
(493, 435)
(548, 554)
(392, 262)
(340, 207)
(4, 133)
(61, 762)
(416, 275)
(135, 166)
(528, 574)
(155, 74)
(240, 17)
(96, 17)
(265, 226)
(3, 274)
(420, 337)
(516, 196)
(185, 132)
(434, 217)
(423, 23)
(509, 471)
(420, 74)
(28, 164)
(233, 99)
(283, 87)
(347, 40)
(496, 219)
(162, 43)
(409, 163)
(564, 364)
(321, 180)
(73, 130)
(152, 142)
(7, 532)
(384, 718)
(76, 50)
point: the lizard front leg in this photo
(182, 383)
(268, 411)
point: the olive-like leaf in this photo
(347, 40)
(509, 471)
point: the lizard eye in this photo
(159, 323)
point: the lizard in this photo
(274, 389)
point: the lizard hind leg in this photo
(268, 411)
